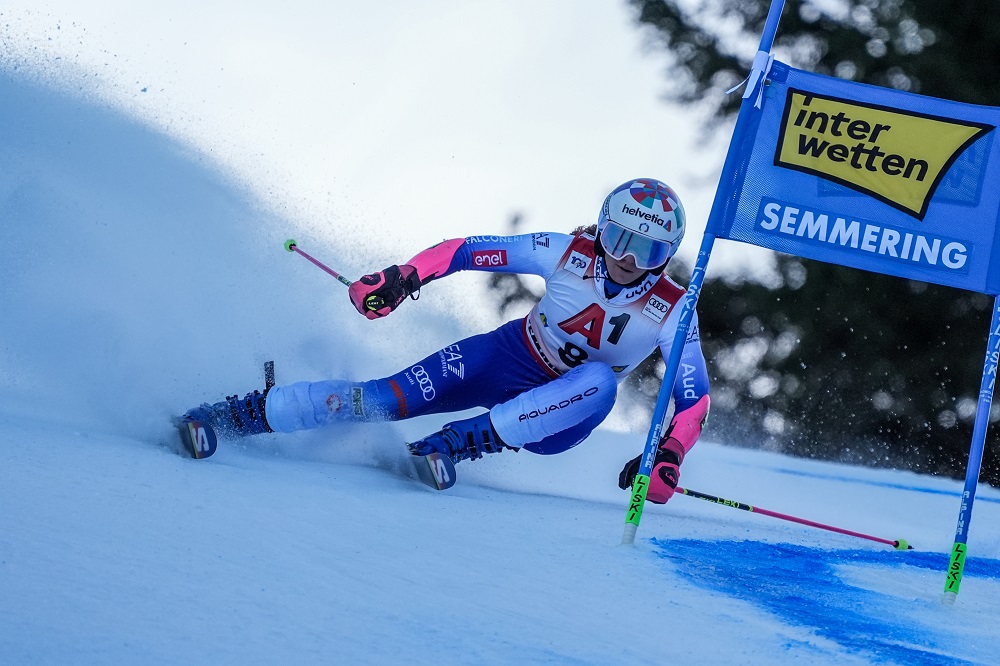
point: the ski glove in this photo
(666, 473)
(684, 430)
(378, 294)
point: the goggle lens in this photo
(648, 253)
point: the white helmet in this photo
(644, 218)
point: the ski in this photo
(200, 441)
(198, 438)
(434, 470)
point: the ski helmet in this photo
(644, 218)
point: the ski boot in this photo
(200, 426)
(462, 440)
(235, 417)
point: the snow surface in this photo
(138, 279)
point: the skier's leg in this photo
(460, 376)
(546, 419)
(307, 405)
(577, 401)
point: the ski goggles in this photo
(648, 253)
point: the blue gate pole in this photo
(640, 486)
(956, 565)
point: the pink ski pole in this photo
(898, 544)
(374, 302)
(291, 246)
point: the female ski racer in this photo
(548, 379)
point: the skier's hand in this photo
(681, 435)
(627, 476)
(665, 475)
(378, 294)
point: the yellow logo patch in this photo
(895, 156)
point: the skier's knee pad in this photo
(586, 393)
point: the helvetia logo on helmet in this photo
(898, 157)
(652, 217)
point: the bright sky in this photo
(399, 122)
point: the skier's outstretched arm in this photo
(377, 294)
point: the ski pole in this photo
(898, 544)
(374, 302)
(291, 246)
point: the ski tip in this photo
(198, 437)
(436, 470)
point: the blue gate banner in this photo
(866, 177)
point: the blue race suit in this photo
(548, 379)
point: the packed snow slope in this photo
(137, 279)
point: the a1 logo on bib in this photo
(578, 263)
(656, 309)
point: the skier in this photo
(548, 379)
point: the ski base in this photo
(435, 470)
(198, 438)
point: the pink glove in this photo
(683, 432)
(378, 294)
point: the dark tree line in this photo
(943, 48)
(833, 362)
(848, 365)
(836, 362)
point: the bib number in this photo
(571, 355)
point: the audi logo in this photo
(426, 385)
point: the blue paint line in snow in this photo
(884, 484)
(801, 586)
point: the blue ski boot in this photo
(462, 440)
(234, 417)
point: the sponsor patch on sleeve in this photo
(489, 258)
